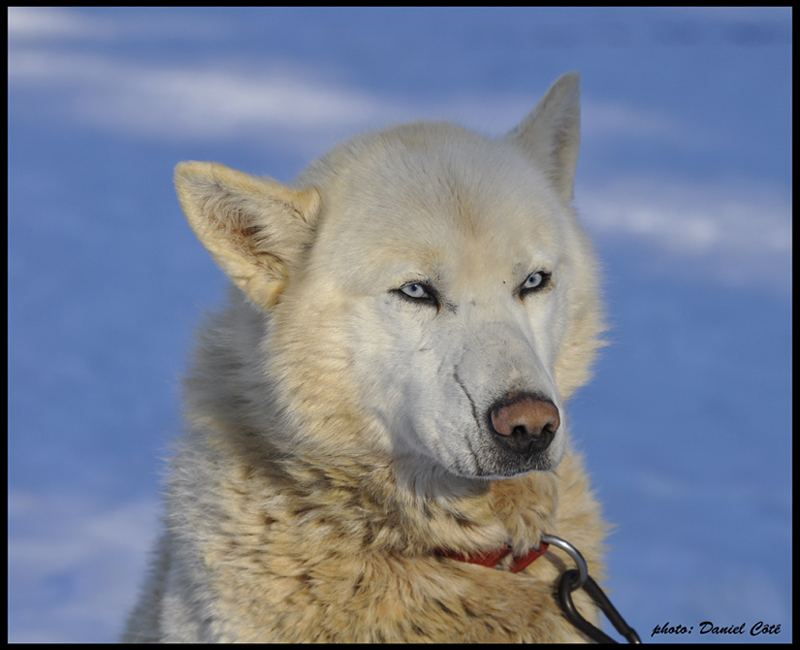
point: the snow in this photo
(684, 182)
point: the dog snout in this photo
(525, 423)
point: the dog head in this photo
(426, 279)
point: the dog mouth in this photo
(500, 464)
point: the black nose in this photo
(525, 423)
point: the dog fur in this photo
(412, 292)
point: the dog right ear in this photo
(255, 228)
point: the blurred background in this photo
(684, 181)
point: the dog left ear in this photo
(256, 229)
(551, 133)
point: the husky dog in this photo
(384, 394)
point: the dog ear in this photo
(255, 228)
(551, 133)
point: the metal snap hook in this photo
(572, 580)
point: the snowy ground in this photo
(684, 181)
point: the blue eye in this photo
(416, 290)
(536, 281)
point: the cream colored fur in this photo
(337, 430)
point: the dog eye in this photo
(416, 290)
(536, 281)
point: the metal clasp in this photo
(575, 579)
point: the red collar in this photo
(492, 558)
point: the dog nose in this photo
(525, 423)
